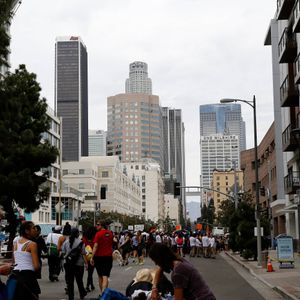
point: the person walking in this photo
(73, 250)
(102, 254)
(192, 240)
(25, 257)
(186, 279)
(41, 247)
(88, 240)
(53, 253)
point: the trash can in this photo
(264, 258)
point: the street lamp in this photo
(257, 210)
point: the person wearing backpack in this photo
(74, 252)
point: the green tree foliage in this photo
(23, 156)
(241, 225)
(5, 17)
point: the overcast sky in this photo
(197, 52)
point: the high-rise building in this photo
(138, 81)
(71, 95)
(174, 151)
(134, 123)
(223, 119)
(97, 143)
(218, 152)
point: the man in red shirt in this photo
(102, 254)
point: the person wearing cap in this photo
(54, 260)
(102, 254)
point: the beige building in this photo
(147, 174)
(134, 127)
(223, 183)
(103, 182)
(172, 207)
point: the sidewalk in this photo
(284, 281)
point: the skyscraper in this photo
(134, 123)
(97, 143)
(174, 151)
(223, 119)
(71, 95)
(138, 81)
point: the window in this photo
(104, 174)
(81, 171)
(65, 172)
(103, 191)
(81, 186)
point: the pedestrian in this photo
(53, 253)
(88, 240)
(186, 279)
(192, 240)
(179, 239)
(205, 245)
(102, 254)
(73, 250)
(25, 257)
(126, 248)
(65, 235)
(41, 247)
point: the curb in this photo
(277, 289)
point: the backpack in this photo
(72, 257)
(52, 248)
(179, 241)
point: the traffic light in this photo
(262, 191)
(176, 189)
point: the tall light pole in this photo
(257, 204)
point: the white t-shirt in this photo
(55, 237)
(192, 241)
(198, 243)
(158, 238)
(205, 241)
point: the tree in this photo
(24, 159)
(5, 17)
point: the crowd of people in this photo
(66, 250)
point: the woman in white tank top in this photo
(27, 263)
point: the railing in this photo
(292, 182)
(287, 47)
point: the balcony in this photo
(296, 13)
(284, 9)
(289, 93)
(289, 141)
(287, 47)
(292, 183)
(297, 69)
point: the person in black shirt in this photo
(41, 247)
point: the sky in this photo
(197, 52)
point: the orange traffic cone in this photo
(269, 266)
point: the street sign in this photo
(285, 252)
(261, 231)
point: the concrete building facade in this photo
(223, 183)
(219, 152)
(134, 127)
(138, 81)
(283, 37)
(148, 175)
(71, 95)
(106, 181)
(267, 179)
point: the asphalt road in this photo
(226, 279)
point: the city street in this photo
(226, 279)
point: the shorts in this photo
(103, 265)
